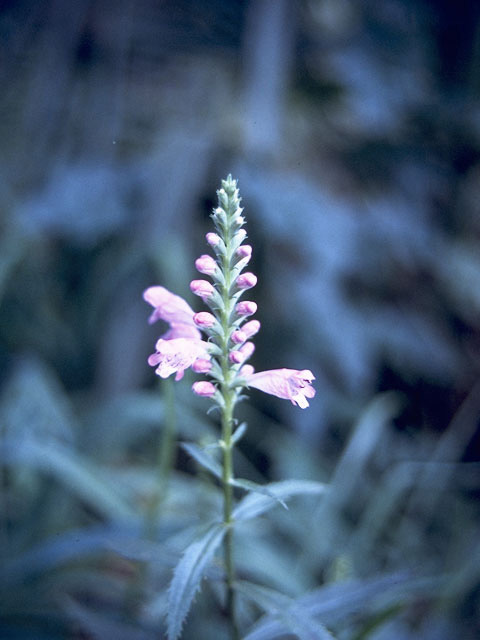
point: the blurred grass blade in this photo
(188, 575)
(71, 471)
(291, 614)
(255, 504)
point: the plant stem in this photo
(227, 424)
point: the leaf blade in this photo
(254, 505)
(188, 575)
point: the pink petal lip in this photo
(289, 384)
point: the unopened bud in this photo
(204, 388)
(244, 251)
(246, 308)
(213, 239)
(238, 337)
(247, 370)
(250, 328)
(206, 264)
(246, 280)
(202, 288)
(204, 320)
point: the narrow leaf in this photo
(248, 485)
(255, 504)
(188, 576)
(203, 458)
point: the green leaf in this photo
(255, 504)
(248, 485)
(203, 458)
(188, 575)
(293, 616)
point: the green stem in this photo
(227, 424)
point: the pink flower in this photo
(213, 239)
(204, 320)
(247, 370)
(202, 288)
(206, 264)
(246, 308)
(176, 355)
(204, 388)
(246, 280)
(201, 365)
(244, 251)
(251, 327)
(174, 310)
(238, 337)
(289, 384)
(240, 355)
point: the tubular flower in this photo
(227, 325)
(289, 384)
(174, 356)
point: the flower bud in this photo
(240, 355)
(244, 251)
(213, 239)
(204, 320)
(204, 388)
(250, 328)
(201, 365)
(246, 308)
(206, 264)
(236, 357)
(238, 337)
(246, 280)
(202, 288)
(247, 370)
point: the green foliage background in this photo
(353, 129)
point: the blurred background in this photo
(353, 129)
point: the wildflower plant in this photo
(218, 344)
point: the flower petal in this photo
(174, 356)
(168, 306)
(289, 384)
